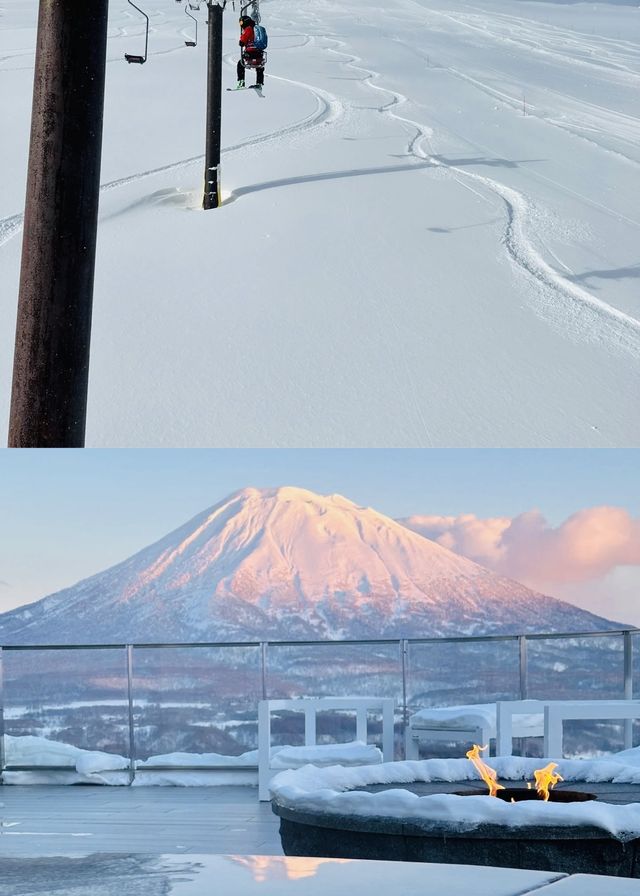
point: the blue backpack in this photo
(260, 39)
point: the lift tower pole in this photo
(51, 362)
(214, 107)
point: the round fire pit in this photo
(577, 849)
(377, 812)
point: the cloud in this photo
(4, 584)
(587, 546)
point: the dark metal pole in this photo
(51, 362)
(214, 108)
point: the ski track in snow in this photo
(537, 39)
(522, 33)
(547, 28)
(575, 128)
(616, 215)
(586, 316)
(9, 227)
(609, 120)
(328, 110)
(410, 392)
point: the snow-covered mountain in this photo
(286, 563)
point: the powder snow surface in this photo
(429, 233)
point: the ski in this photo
(253, 87)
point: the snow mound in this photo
(332, 791)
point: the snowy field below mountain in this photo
(429, 233)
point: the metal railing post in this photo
(628, 686)
(524, 669)
(1, 717)
(263, 667)
(404, 659)
(132, 751)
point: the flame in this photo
(487, 774)
(545, 779)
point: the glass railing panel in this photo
(204, 699)
(454, 673)
(76, 697)
(196, 700)
(576, 668)
(333, 669)
(580, 669)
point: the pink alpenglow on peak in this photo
(286, 563)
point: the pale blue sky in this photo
(68, 514)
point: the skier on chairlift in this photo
(249, 54)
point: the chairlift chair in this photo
(253, 62)
(131, 57)
(191, 43)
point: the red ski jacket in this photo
(247, 37)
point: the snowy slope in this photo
(440, 197)
(289, 564)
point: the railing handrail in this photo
(453, 639)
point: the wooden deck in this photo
(38, 820)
